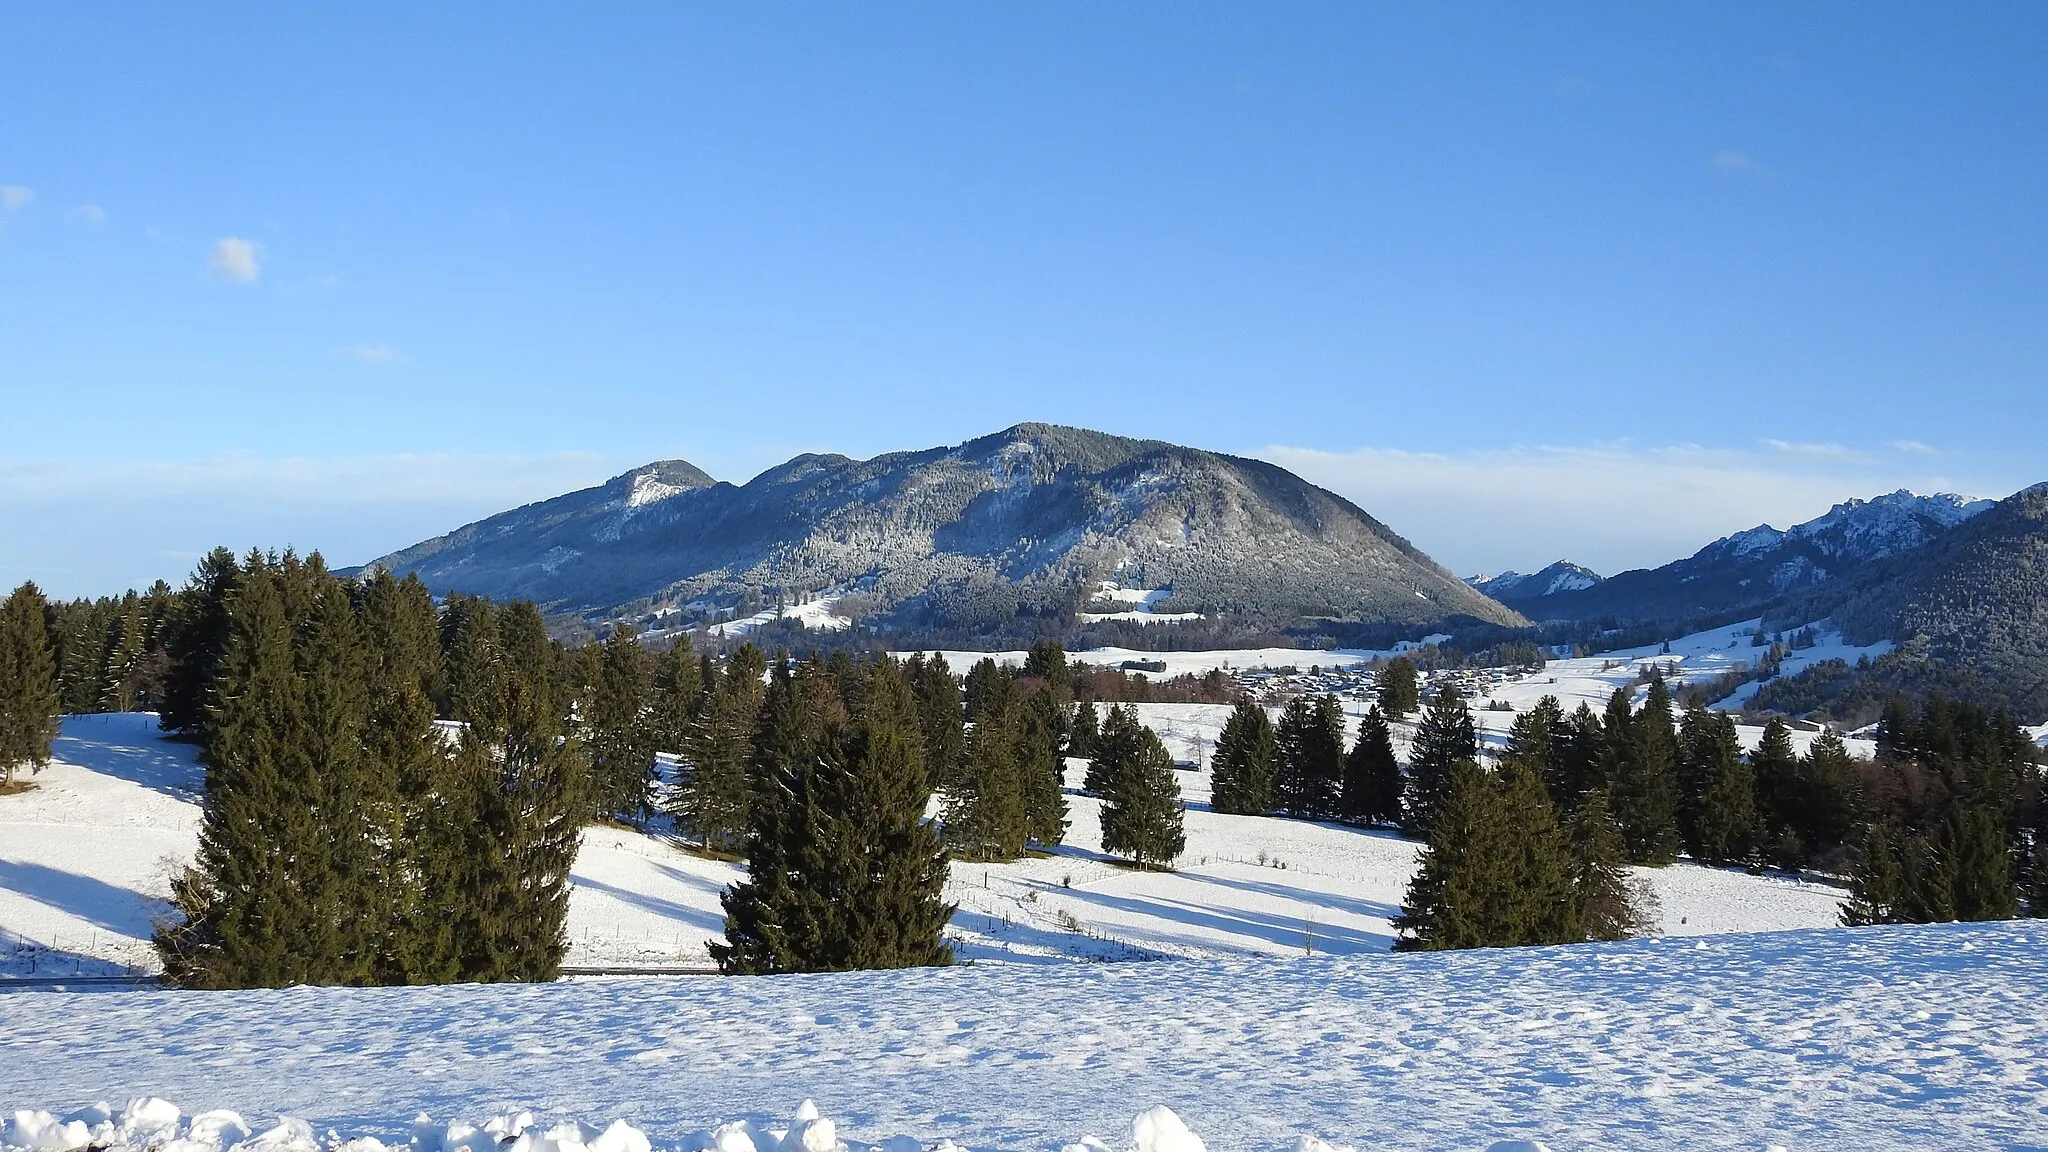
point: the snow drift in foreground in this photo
(152, 1123)
(1876, 1039)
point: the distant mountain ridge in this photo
(1022, 523)
(1510, 586)
(1753, 569)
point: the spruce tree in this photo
(1398, 695)
(1311, 770)
(1578, 748)
(1879, 882)
(1243, 768)
(1645, 790)
(940, 719)
(469, 652)
(195, 635)
(985, 806)
(1533, 741)
(1775, 767)
(1141, 816)
(1719, 814)
(678, 695)
(1829, 792)
(1497, 872)
(618, 727)
(983, 682)
(1444, 738)
(1040, 770)
(1372, 775)
(28, 684)
(715, 788)
(1602, 891)
(1115, 747)
(353, 796)
(1081, 733)
(1971, 867)
(843, 870)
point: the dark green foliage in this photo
(1040, 769)
(1141, 815)
(1399, 695)
(1081, 734)
(1607, 902)
(715, 788)
(1444, 738)
(1533, 742)
(1115, 747)
(986, 817)
(195, 635)
(1577, 755)
(843, 870)
(678, 696)
(1775, 768)
(1244, 767)
(985, 679)
(939, 717)
(1372, 776)
(1047, 661)
(1717, 809)
(1829, 794)
(1497, 872)
(618, 726)
(109, 652)
(1311, 770)
(1963, 872)
(469, 648)
(28, 684)
(1643, 785)
(1879, 884)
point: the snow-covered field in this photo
(86, 860)
(1931, 1037)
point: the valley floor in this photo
(1885, 1038)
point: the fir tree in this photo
(1141, 816)
(1578, 748)
(1878, 884)
(1399, 696)
(28, 684)
(195, 635)
(1497, 871)
(716, 786)
(1243, 769)
(1115, 748)
(984, 681)
(1969, 873)
(469, 651)
(1372, 776)
(1605, 898)
(1311, 770)
(1081, 733)
(1645, 789)
(618, 726)
(1040, 770)
(940, 718)
(985, 807)
(1718, 814)
(843, 870)
(1829, 794)
(1533, 740)
(1775, 767)
(678, 695)
(1444, 738)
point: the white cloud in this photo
(379, 354)
(88, 214)
(1914, 446)
(14, 196)
(235, 259)
(1731, 158)
(1822, 450)
(1610, 507)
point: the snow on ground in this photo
(1144, 605)
(86, 860)
(1196, 663)
(816, 615)
(1880, 1039)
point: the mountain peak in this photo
(652, 483)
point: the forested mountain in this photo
(1018, 525)
(1968, 609)
(1746, 573)
(1513, 587)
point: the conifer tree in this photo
(1969, 872)
(985, 806)
(28, 684)
(716, 787)
(523, 778)
(1775, 767)
(1719, 820)
(1879, 883)
(1115, 748)
(1829, 793)
(1372, 776)
(1444, 738)
(1311, 770)
(1497, 871)
(1645, 790)
(1578, 748)
(843, 870)
(1040, 770)
(195, 635)
(1399, 695)
(982, 683)
(1533, 739)
(353, 797)
(1603, 894)
(678, 693)
(1243, 769)
(469, 652)
(1141, 816)
(1081, 733)
(940, 718)
(618, 726)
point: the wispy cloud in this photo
(235, 259)
(1611, 507)
(14, 196)
(87, 214)
(1732, 158)
(1913, 446)
(379, 354)
(1818, 450)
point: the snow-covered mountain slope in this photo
(1029, 520)
(1563, 576)
(86, 861)
(1925, 1037)
(1755, 568)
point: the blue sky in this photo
(1597, 281)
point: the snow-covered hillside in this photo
(1928, 1037)
(86, 860)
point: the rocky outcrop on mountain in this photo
(1512, 586)
(1024, 523)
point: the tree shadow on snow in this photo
(1284, 931)
(97, 902)
(694, 917)
(128, 746)
(1308, 896)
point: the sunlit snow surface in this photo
(1893, 1038)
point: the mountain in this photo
(1025, 523)
(1968, 611)
(1749, 571)
(1511, 586)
